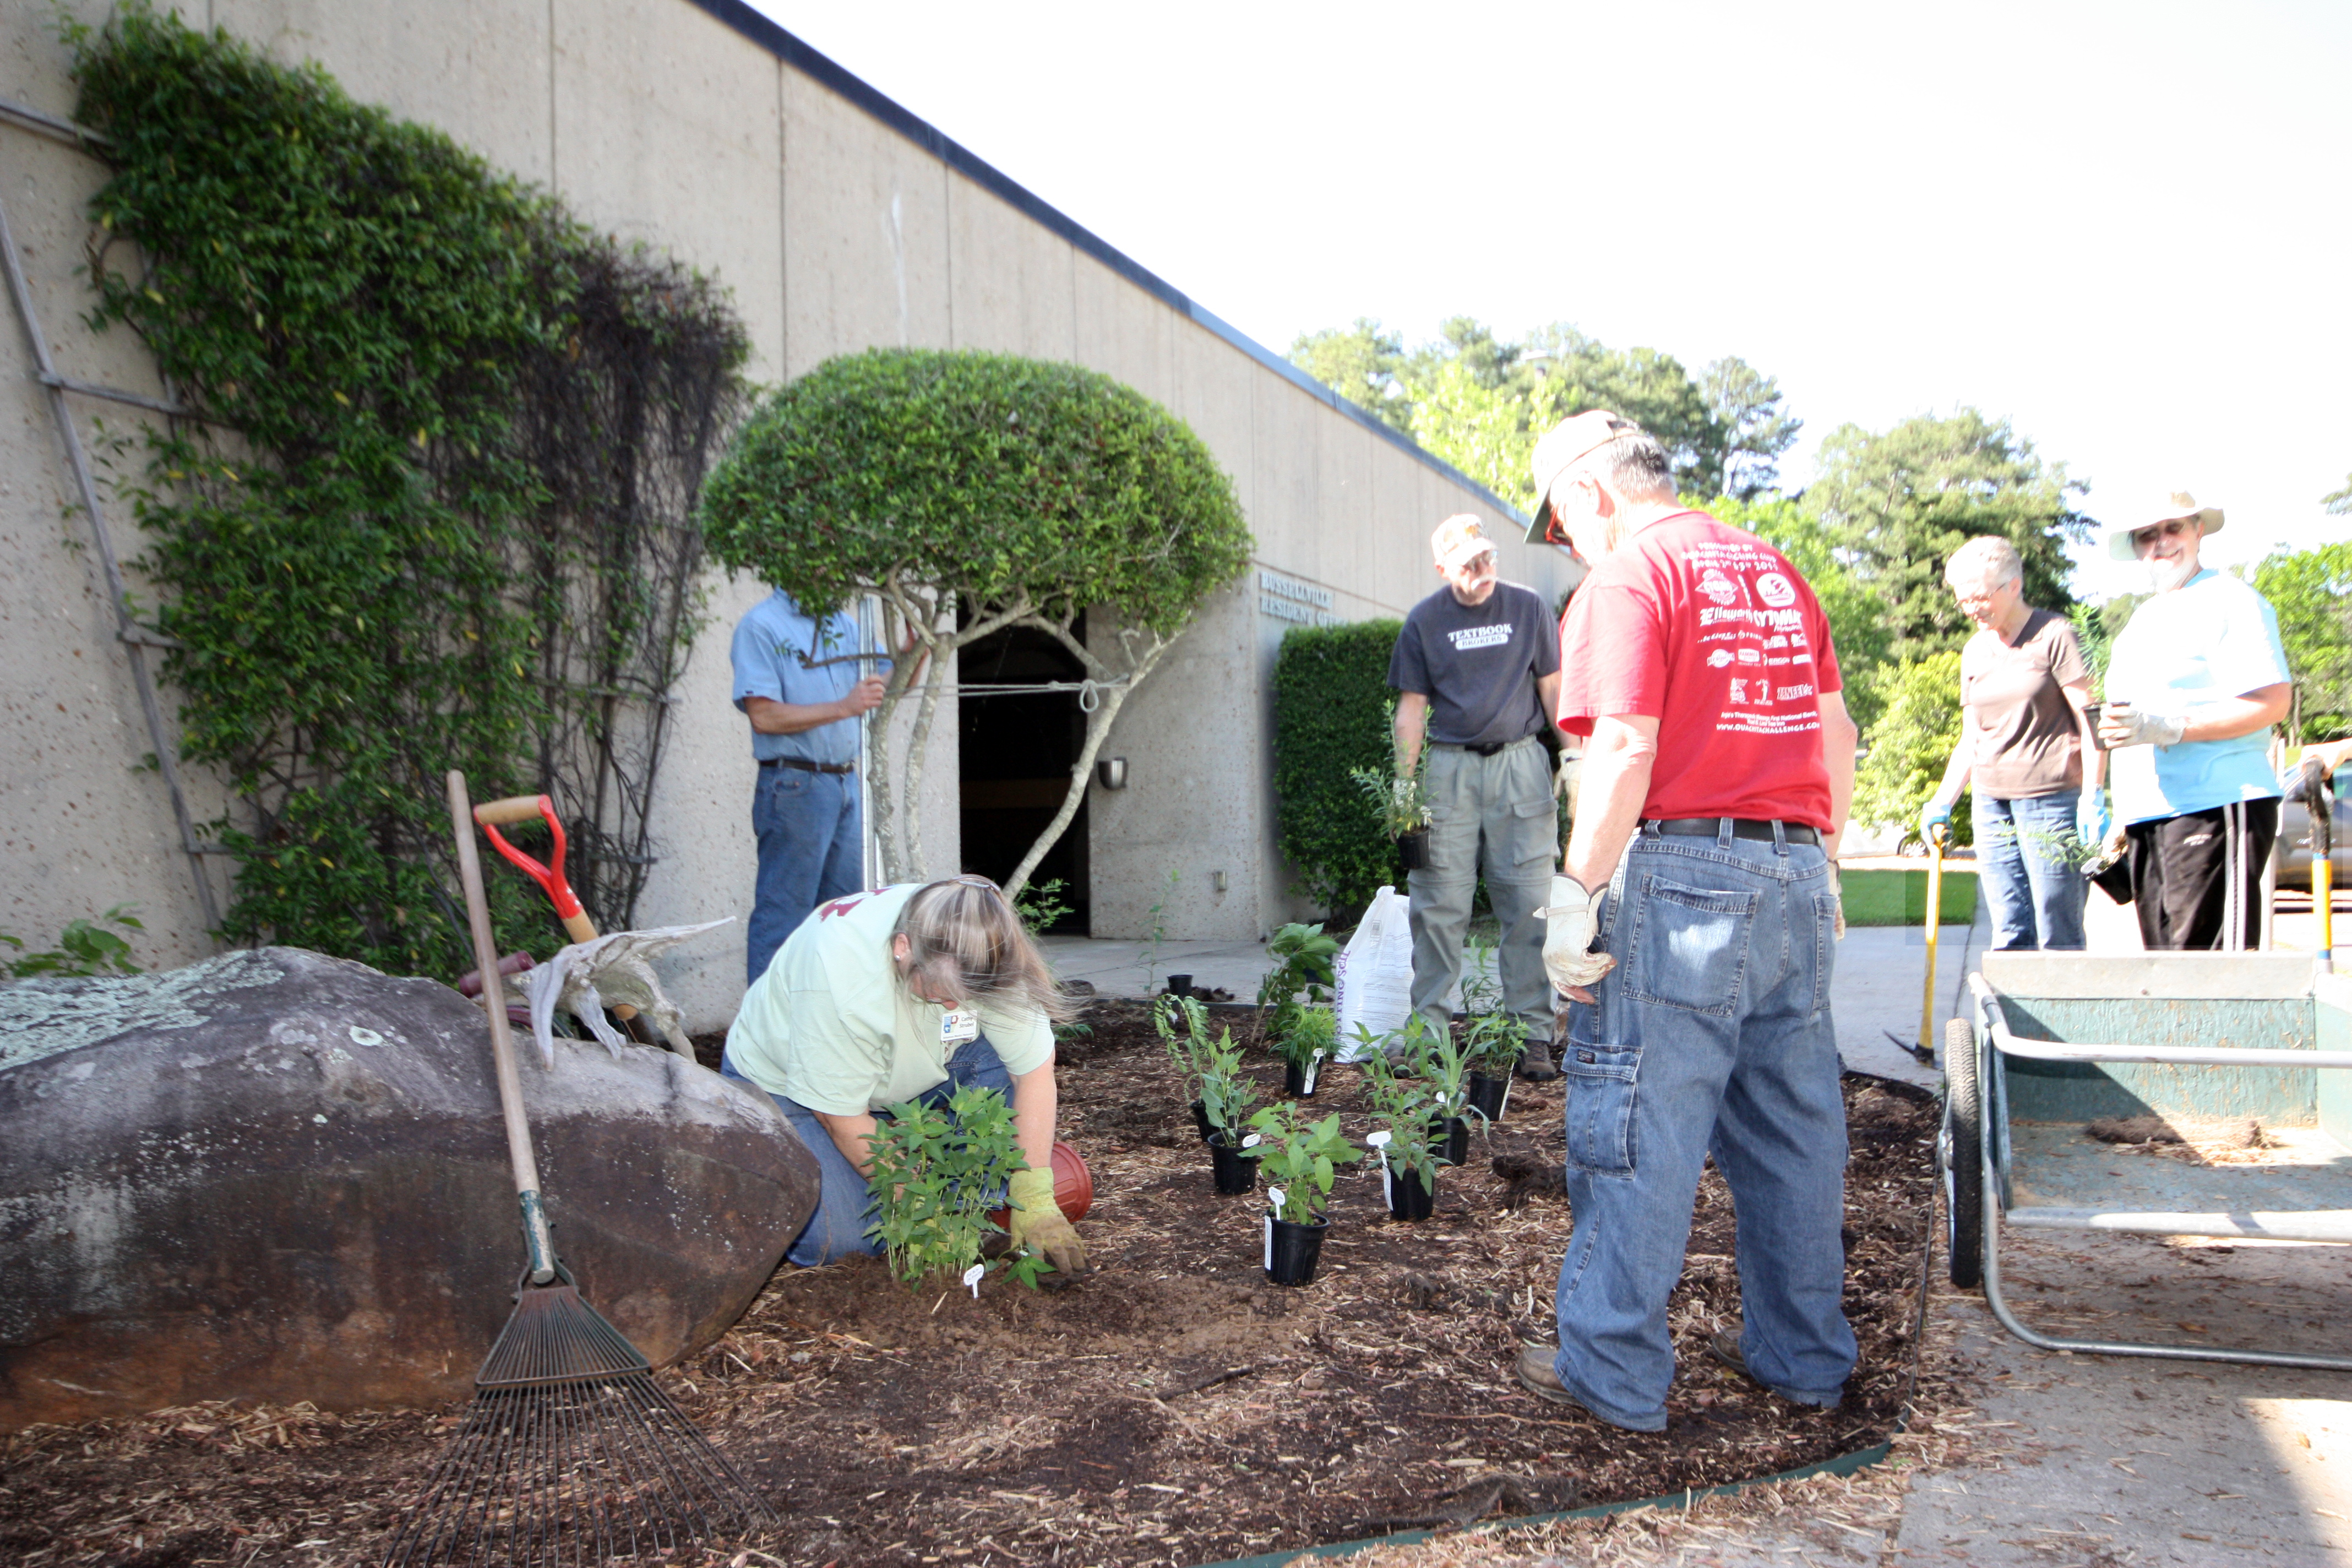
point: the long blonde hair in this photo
(966, 944)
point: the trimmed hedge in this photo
(1331, 711)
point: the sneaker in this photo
(1535, 1063)
(1534, 1370)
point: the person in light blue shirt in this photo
(803, 685)
(2194, 684)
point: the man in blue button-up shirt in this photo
(802, 684)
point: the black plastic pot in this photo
(1293, 1249)
(1413, 849)
(1201, 1119)
(1488, 1094)
(1409, 1197)
(1300, 1084)
(1449, 1139)
(1235, 1168)
(1180, 985)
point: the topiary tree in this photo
(973, 493)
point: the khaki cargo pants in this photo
(1490, 815)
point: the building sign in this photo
(1285, 600)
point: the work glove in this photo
(2121, 724)
(1569, 928)
(1039, 1224)
(1837, 892)
(1934, 815)
(2091, 820)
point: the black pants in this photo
(2180, 869)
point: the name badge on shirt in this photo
(958, 1024)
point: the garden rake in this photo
(570, 1453)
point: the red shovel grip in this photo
(550, 876)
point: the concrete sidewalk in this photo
(2110, 1460)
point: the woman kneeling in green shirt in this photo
(906, 993)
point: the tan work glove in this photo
(1837, 892)
(1569, 928)
(1039, 1224)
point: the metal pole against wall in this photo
(135, 638)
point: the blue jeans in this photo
(2025, 861)
(812, 848)
(1711, 1036)
(843, 1206)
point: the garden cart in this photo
(2058, 1041)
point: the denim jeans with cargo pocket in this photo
(1711, 1036)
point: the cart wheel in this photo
(1960, 1151)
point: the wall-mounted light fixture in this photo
(1217, 880)
(1111, 771)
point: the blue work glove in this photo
(2091, 822)
(1933, 815)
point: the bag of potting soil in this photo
(1374, 975)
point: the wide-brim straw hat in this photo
(2164, 508)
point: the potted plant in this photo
(1305, 1046)
(1492, 1040)
(1184, 1044)
(1225, 1097)
(1403, 806)
(1299, 1162)
(1439, 1062)
(1301, 978)
(1409, 1157)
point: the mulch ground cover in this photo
(1172, 1408)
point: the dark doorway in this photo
(1016, 755)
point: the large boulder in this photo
(282, 1177)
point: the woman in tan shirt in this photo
(2025, 752)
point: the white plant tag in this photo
(1253, 1139)
(972, 1276)
(1274, 1195)
(1379, 1141)
(1269, 1244)
(1387, 1183)
(1314, 1065)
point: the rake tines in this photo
(571, 1454)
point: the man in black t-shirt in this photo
(1476, 670)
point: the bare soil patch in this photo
(1173, 1407)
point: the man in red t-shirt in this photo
(1716, 778)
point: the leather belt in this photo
(1741, 827)
(1487, 749)
(804, 765)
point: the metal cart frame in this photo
(1973, 1148)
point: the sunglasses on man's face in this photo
(2145, 538)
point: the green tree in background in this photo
(1898, 504)
(1480, 401)
(1918, 704)
(2307, 588)
(1362, 363)
(1746, 403)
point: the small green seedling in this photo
(1301, 1160)
(1404, 1107)
(1304, 959)
(936, 1172)
(1225, 1093)
(1440, 1061)
(1313, 1036)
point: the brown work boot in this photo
(1534, 1370)
(1535, 1063)
(1724, 1347)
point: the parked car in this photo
(2291, 857)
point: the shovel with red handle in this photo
(523, 808)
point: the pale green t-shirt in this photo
(830, 1026)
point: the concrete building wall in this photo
(838, 222)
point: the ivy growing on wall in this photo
(436, 509)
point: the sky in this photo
(2121, 227)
